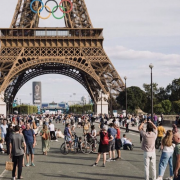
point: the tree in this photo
(176, 106)
(136, 98)
(166, 104)
(174, 90)
(158, 109)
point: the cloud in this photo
(120, 52)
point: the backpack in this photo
(105, 140)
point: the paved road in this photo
(78, 166)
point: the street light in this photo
(111, 111)
(101, 102)
(151, 67)
(125, 78)
(94, 103)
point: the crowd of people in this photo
(19, 132)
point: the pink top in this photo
(149, 138)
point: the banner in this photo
(37, 93)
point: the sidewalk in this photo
(135, 129)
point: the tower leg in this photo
(2, 105)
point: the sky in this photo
(136, 33)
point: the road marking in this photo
(3, 173)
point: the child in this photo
(1, 147)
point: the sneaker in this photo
(108, 160)
(27, 165)
(95, 164)
(169, 178)
(113, 159)
(159, 178)
(32, 164)
(103, 165)
(13, 178)
(56, 140)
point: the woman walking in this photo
(45, 139)
(104, 145)
(166, 157)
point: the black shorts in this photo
(118, 144)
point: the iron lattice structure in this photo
(76, 51)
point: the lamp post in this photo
(151, 67)
(101, 102)
(111, 102)
(125, 78)
(94, 103)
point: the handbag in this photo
(9, 166)
(45, 136)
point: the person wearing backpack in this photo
(105, 138)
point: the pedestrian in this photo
(8, 137)
(113, 133)
(105, 138)
(3, 130)
(52, 131)
(167, 148)
(118, 143)
(17, 152)
(45, 134)
(30, 140)
(175, 129)
(176, 156)
(127, 127)
(148, 146)
(161, 131)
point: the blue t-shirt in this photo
(29, 136)
(112, 132)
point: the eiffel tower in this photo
(28, 51)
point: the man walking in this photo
(176, 157)
(113, 133)
(17, 152)
(148, 146)
(52, 131)
(30, 139)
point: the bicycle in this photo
(89, 144)
(85, 146)
(66, 147)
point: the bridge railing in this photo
(49, 33)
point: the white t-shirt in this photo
(1, 145)
(169, 149)
(94, 132)
(51, 127)
(127, 142)
(123, 140)
(3, 128)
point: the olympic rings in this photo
(54, 15)
(41, 6)
(70, 8)
(56, 6)
(44, 17)
(62, 9)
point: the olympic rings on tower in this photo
(62, 9)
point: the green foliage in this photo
(79, 109)
(136, 98)
(158, 109)
(176, 106)
(25, 109)
(166, 104)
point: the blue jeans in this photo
(177, 178)
(166, 157)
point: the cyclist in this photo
(93, 135)
(68, 134)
